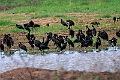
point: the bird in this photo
(69, 42)
(113, 42)
(114, 19)
(56, 41)
(31, 42)
(95, 23)
(31, 23)
(64, 23)
(103, 34)
(36, 25)
(26, 26)
(43, 45)
(71, 33)
(118, 33)
(47, 24)
(49, 35)
(1, 46)
(7, 39)
(70, 23)
(94, 30)
(64, 45)
(80, 36)
(30, 36)
(89, 31)
(22, 46)
(98, 42)
(2, 49)
(37, 43)
(19, 26)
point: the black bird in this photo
(48, 24)
(69, 42)
(114, 19)
(31, 23)
(103, 35)
(113, 42)
(89, 31)
(31, 42)
(118, 33)
(37, 43)
(26, 26)
(94, 31)
(30, 36)
(70, 23)
(56, 42)
(49, 35)
(98, 42)
(1, 46)
(64, 23)
(19, 26)
(80, 36)
(43, 46)
(95, 23)
(89, 40)
(36, 25)
(22, 46)
(64, 45)
(8, 40)
(71, 33)
(61, 39)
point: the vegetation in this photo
(15, 11)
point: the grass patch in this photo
(106, 16)
(5, 23)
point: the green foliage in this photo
(5, 23)
(65, 6)
(106, 16)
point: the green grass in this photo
(4, 23)
(56, 9)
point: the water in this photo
(102, 61)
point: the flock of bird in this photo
(61, 41)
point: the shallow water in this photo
(105, 60)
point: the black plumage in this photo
(37, 43)
(19, 26)
(112, 42)
(118, 33)
(103, 34)
(36, 25)
(71, 33)
(70, 43)
(98, 42)
(26, 26)
(64, 23)
(95, 23)
(1, 46)
(114, 19)
(89, 31)
(8, 40)
(22, 46)
(94, 31)
(70, 23)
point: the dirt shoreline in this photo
(44, 74)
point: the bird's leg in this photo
(43, 52)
